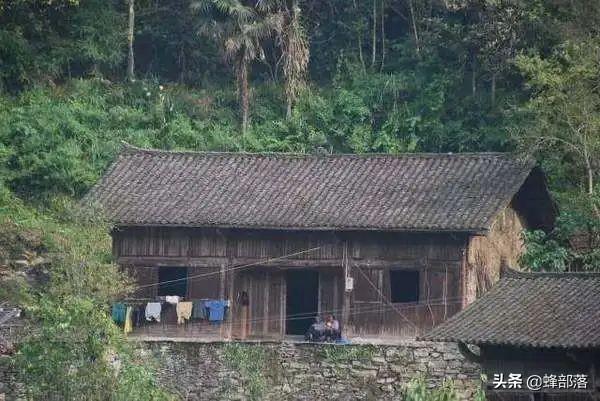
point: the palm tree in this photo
(240, 30)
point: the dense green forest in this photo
(78, 77)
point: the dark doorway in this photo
(173, 281)
(302, 300)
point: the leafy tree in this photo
(38, 46)
(573, 243)
(565, 109)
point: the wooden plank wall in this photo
(438, 257)
(265, 317)
(539, 361)
(331, 292)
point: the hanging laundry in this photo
(227, 307)
(216, 310)
(128, 327)
(172, 299)
(138, 315)
(118, 313)
(199, 310)
(184, 312)
(153, 311)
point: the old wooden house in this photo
(388, 244)
(538, 336)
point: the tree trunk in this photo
(360, 53)
(288, 111)
(374, 38)
(182, 63)
(130, 61)
(244, 95)
(590, 180)
(590, 177)
(493, 89)
(359, 41)
(382, 35)
(473, 75)
(414, 26)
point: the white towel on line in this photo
(153, 311)
(172, 299)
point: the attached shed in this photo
(540, 329)
(389, 244)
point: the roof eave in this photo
(467, 231)
(516, 344)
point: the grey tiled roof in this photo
(545, 310)
(438, 192)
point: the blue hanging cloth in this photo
(216, 310)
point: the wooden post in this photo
(225, 328)
(266, 316)
(232, 307)
(382, 301)
(347, 294)
(283, 308)
(222, 274)
(464, 274)
(319, 298)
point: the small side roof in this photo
(545, 310)
(406, 192)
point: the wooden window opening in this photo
(404, 286)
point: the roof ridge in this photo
(512, 273)
(131, 149)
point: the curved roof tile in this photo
(410, 192)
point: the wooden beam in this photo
(281, 263)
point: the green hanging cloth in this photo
(118, 312)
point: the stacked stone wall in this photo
(292, 371)
(295, 371)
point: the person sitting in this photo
(332, 329)
(316, 331)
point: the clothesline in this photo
(428, 302)
(361, 310)
(354, 311)
(238, 324)
(262, 262)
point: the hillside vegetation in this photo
(78, 77)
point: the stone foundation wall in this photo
(288, 371)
